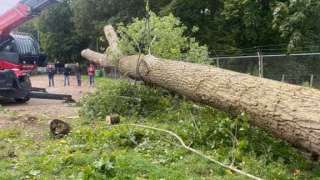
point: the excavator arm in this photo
(22, 12)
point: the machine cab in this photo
(22, 49)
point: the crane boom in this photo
(22, 12)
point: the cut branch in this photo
(96, 58)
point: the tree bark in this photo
(288, 111)
(97, 58)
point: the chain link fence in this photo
(300, 69)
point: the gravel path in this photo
(46, 109)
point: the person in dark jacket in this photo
(51, 72)
(59, 67)
(67, 73)
(78, 74)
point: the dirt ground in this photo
(37, 109)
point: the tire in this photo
(25, 82)
(22, 100)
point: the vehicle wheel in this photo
(25, 82)
(22, 100)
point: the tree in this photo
(288, 111)
(206, 15)
(165, 38)
(91, 15)
(250, 22)
(298, 23)
(57, 36)
(31, 28)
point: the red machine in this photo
(20, 53)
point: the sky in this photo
(7, 4)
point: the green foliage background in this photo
(165, 38)
(226, 27)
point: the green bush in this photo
(166, 36)
(126, 99)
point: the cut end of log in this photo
(113, 119)
(59, 128)
(84, 52)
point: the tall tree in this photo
(250, 22)
(206, 16)
(31, 28)
(298, 23)
(91, 15)
(57, 35)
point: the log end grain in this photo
(113, 119)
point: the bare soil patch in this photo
(40, 109)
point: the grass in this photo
(95, 150)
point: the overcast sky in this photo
(7, 4)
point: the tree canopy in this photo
(226, 26)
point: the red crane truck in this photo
(20, 54)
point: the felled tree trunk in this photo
(287, 111)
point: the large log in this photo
(288, 111)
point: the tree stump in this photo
(59, 128)
(113, 119)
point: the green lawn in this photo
(95, 150)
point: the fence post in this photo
(262, 73)
(260, 58)
(217, 59)
(311, 80)
(283, 78)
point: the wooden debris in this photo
(59, 128)
(113, 119)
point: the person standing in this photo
(51, 71)
(66, 73)
(59, 67)
(91, 74)
(78, 74)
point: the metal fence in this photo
(300, 69)
(111, 72)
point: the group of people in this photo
(67, 71)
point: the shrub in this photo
(126, 99)
(167, 35)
